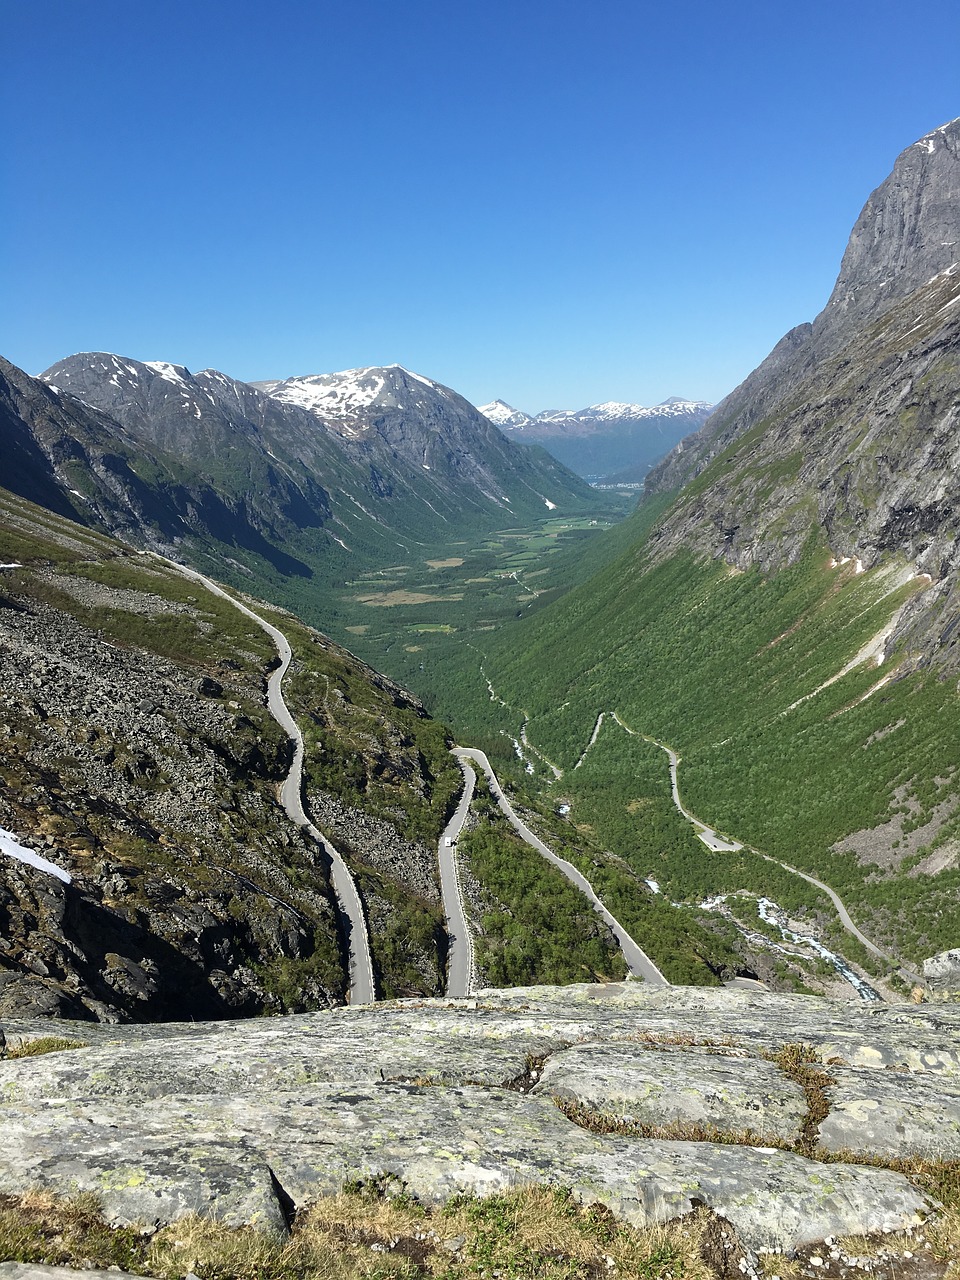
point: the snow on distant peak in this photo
(332, 395)
(347, 393)
(502, 414)
(506, 417)
(618, 411)
(611, 409)
(929, 142)
(171, 372)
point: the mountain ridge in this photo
(389, 426)
(603, 439)
(905, 235)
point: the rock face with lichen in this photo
(647, 1101)
(942, 971)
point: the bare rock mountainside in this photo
(850, 425)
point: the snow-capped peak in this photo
(345, 394)
(502, 414)
(507, 418)
(417, 377)
(171, 372)
(617, 410)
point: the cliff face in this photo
(849, 425)
(907, 232)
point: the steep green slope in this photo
(788, 619)
(743, 674)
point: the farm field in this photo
(412, 619)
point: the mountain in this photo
(905, 235)
(603, 438)
(505, 416)
(364, 455)
(140, 762)
(277, 496)
(850, 423)
(788, 614)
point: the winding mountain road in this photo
(362, 988)
(713, 841)
(460, 952)
(703, 832)
(638, 962)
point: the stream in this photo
(772, 913)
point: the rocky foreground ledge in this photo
(249, 1121)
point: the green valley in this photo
(782, 746)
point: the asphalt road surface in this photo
(362, 990)
(638, 962)
(460, 955)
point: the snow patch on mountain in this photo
(348, 393)
(507, 418)
(171, 372)
(929, 142)
(11, 847)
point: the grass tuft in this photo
(674, 1131)
(45, 1044)
(374, 1229)
(802, 1064)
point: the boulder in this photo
(942, 971)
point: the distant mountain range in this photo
(610, 441)
(315, 477)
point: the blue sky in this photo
(548, 201)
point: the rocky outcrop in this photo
(849, 426)
(249, 1121)
(943, 973)
(906, 233)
